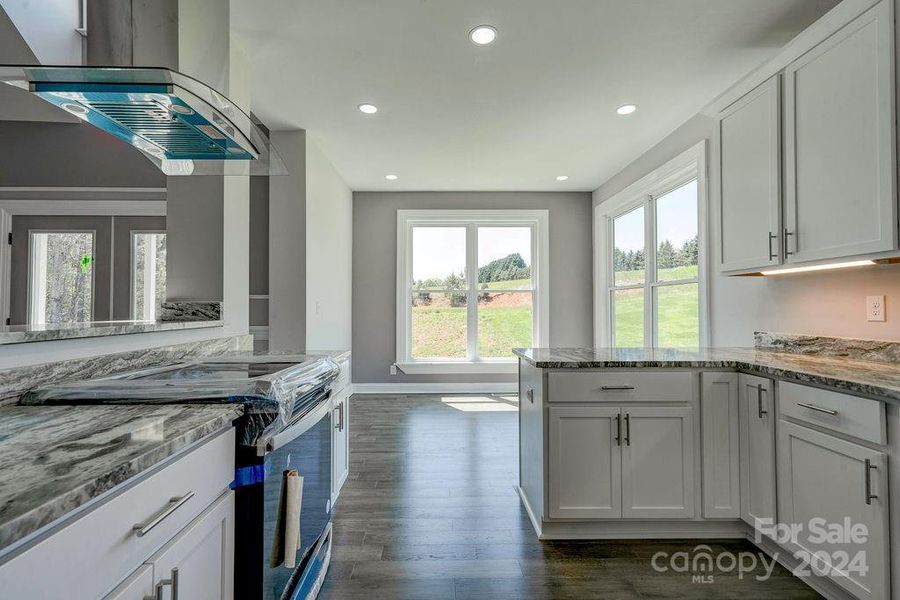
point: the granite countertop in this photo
(868, 377)
(20, 334)
(55, 459)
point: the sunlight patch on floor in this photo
(482, 403)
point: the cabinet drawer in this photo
(618, 386)
(852, 415)
(99, 549)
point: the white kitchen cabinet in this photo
(840, 198)
(657, 462)
(720, 445)
(585, 462)
(750, 171)
(821, 476)
(199, 562)
(340, 442)
(138, 586)
(757, 448)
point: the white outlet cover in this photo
(875, 308)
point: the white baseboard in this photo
(435, 388)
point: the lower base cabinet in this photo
(825, 480)
(621, 462)
(199, 562)
(757, 418)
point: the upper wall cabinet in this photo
(750, 158)
(839, 143)
(822, 188)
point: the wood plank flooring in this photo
(430, 512)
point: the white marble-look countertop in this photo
(20, 334)
(55, 459)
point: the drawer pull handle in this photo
(616, 388)
(869, 495)
(827, 411)
(142, 529)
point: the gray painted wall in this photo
(195, 240)
(825, 303)
(287, 245)
(375, 266)
(70, 155)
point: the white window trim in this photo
(664, 178)
(407, 219)
(132, 282)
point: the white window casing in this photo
(537, 220)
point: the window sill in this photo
(485, 367)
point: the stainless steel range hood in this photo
(179, 123)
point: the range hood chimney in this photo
(145, 85)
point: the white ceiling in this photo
(537, 103)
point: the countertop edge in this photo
(847, 385)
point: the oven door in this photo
(306, 447)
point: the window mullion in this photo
(649, 273)
(472, 291)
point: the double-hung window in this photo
(60, 277)
(471, 286)
(148, 274)
(651, 259)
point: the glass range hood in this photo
(179, 123)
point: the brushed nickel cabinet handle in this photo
(787, 234)
(172, 581)
(827, 411)
(618, 436)
(529, 393)
(772, 255)
(627, 429)
(142, 529)
(616, 388)
(759, 403)
(869, 495)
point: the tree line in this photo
(667, 256)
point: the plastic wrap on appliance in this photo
(269, 400)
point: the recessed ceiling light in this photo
(483, 34)
(562, 177)
(391, 177)
(626, 109)
(369, 109)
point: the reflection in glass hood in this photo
(182, 125)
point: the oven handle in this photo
(270, 444)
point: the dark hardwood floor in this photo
(429, 512)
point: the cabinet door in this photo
(340, 443)
(757, 421)
(721, 447)
(657, 462)
(839, 143)
(138, 586)
(823, 477)
(750, 192)
(199, 562)
(585, 462)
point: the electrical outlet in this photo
(875, 308)
(393, 369)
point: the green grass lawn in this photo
(441, 332)
(679, 316)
